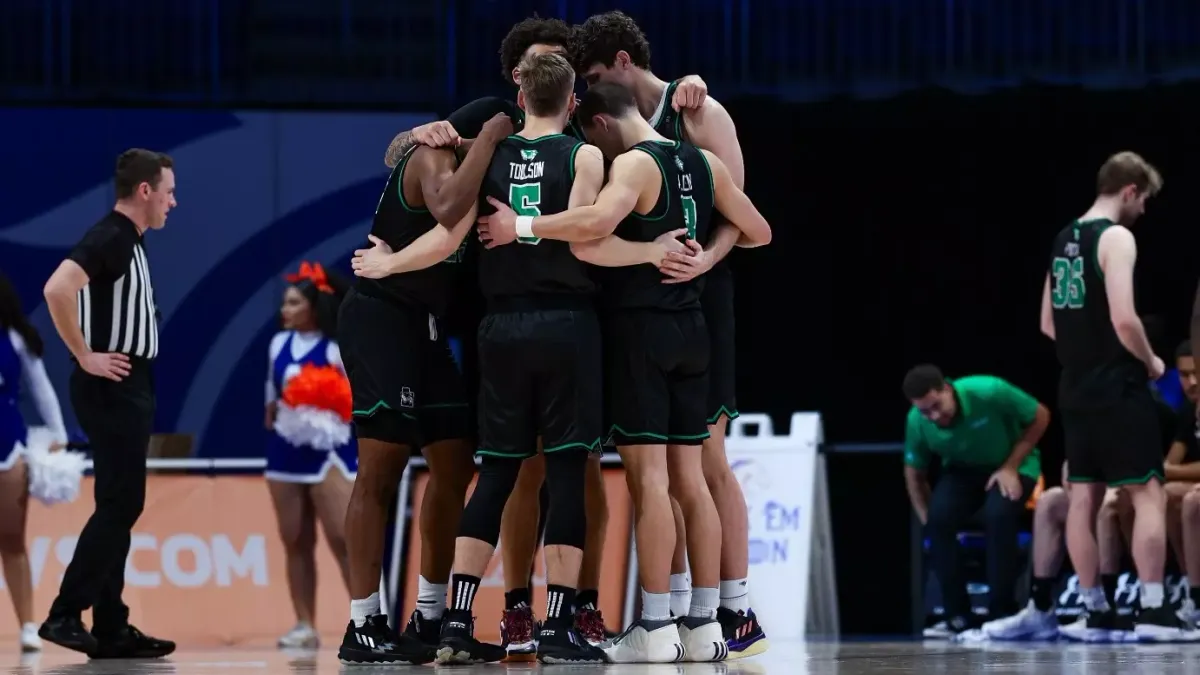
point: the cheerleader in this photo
(311, 459)
(20, 354)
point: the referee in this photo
(102, 301)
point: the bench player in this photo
(610, 47)
(656, 352)
(406, 388)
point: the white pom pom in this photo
(313, 427)
(54, 477)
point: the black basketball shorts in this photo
(406, 387)
(1117, 444)
(716, 300)
(656, 370)
(540, 373)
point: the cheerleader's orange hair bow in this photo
(311, 272)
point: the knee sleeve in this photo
(481, 518)
(566, 524)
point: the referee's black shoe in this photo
(130, 643)
(375, 643)
(68, 632)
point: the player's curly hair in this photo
(532, 31)
(599, 39)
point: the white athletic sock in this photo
(704, 602)
(1187, 587)
(1093, 599)
(1151, 595)
(431, 599)
(735, 595)
(656, 606)
(361, 610)
(681, 594)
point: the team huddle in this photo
(603, 223)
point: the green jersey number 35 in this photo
(1068, 290)
(524, 199)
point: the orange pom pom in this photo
(323, 387)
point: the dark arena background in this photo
(915, 159)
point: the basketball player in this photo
(1110, 423)
(536, 35)
(610, 47)
(407, 390)
(656, 352)
(540, 373)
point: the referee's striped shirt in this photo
(116, 308)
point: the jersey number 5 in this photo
(689, 215)
(524, 198)
(1069, 290)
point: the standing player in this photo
(1110, 424)
(610, 47)
(540, 373)
(407, 390)
(535, 35)
(656, 352)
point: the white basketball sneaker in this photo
(301, 637)
(1028, 624)
(647, 642)
(30, 642)
(703, 641)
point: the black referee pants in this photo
(117, 418)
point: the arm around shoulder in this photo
(589, 176)
(711, 128)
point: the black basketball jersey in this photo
(1097, 369)
(399, 224)
(534, 177)
(684, 201)
(666, 120)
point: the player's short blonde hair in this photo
(1128, 168)
(547, 81)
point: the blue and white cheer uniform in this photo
(302, 464)
(16, 361)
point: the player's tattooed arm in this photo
(450, 193)
(396, 149)
(427, 250)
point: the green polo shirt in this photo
(992, 417)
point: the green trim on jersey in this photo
(662, 171)
(712, 184)
(575, 151)
(1096, 248)
(400, 182)
(539, 139)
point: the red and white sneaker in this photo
(518, 631)
(589, 623)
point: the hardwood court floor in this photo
(813, 658)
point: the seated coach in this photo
(985, 432)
